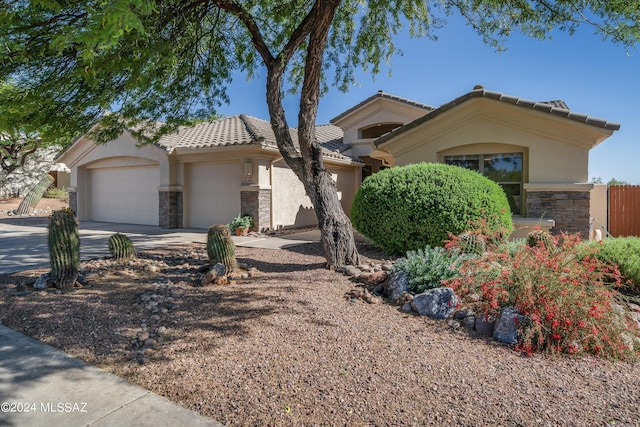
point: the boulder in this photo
(377, 277)
(484, 326)
(506, 328)
(395, 286)
(438, 303)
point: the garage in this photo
(125, 194)
(213, 193)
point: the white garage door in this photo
(214, 193)
(125, 194)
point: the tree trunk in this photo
(307, 162)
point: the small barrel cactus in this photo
(121, 247)
(540, 238)
(64, 248)
(220, 247)
(471, 243)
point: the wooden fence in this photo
(624, 210)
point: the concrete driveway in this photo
(25, 247)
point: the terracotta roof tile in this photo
(557, 107)
(245, 130)
(383, 95)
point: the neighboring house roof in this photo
(383, 95)
(557, 107)
(245, 130)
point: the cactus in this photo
(64, 248)
(34, 195)
(121, 247)
(471, 243)
(220, 247)
(540, 238)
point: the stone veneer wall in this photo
(73, 202)
(171, 209)
(569, 209)
(257, 204)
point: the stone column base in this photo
(171, 209)
(257, 204)
(569, 210)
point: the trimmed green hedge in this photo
(409, 207)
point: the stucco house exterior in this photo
(211, 172)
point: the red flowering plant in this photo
(569, 298)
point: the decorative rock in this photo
(506, 327)
(143, 336)
(350, 270)
(438, 303)
(162, 330)
(150, 342)
(395, 286)
(387, 267)
(453, 324)
(461, 314)
(406, 307)
(42, 281)
(219, 269)
(377, 277)
(484, 326)
(469, 322)
(222, 280)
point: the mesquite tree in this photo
(171, 60)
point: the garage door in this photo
(214, 193)
(125, 194)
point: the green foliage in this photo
(34, 195)
(426, 269)
(57, 193)
(409, 207)
(220, 247)
(174, 59)
(121, 247)
(625, 253)
(565, 293)
(241, 221)
(64, 248)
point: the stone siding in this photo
(569, 209)
(257, 204)
(171, 209)
(73, 201)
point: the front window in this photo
(504, 168)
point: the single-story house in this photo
(213, 171)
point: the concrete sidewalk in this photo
(42, 386)
(25, 247)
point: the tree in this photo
(29, 124)
(171, 59)
(614, 181)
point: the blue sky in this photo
(592, 76)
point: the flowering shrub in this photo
(569, 302)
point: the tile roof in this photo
(557, 107)
(245, 130)
(383, 95)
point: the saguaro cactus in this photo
(34, 195)
(220, 247)
(64, 248)
(121, 247)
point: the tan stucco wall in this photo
(290, 205)
(379, 111)
(557, 149)
(598, 210)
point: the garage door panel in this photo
(125, 195)
(214, 193)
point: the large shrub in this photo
(409, 207)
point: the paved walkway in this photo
(42, 386)
(23, 247)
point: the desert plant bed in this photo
(284, 347)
